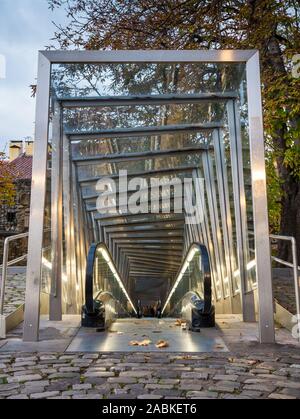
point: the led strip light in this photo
(188, 259)
(107, 258)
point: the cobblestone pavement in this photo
(284, 293)
(150, 376)
(14, 292)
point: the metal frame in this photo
(295, 268)
(263, 258)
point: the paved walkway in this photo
(14, 295)
(150, 376)
(48, 369)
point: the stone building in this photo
(15, 219)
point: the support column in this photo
(247, 297)
(260, 203)
(37, 206)
(222, 179)
(71, 299)
(55, 302)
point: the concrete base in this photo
(230, 334)
(123, 331)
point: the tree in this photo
(7, 187)
(272, 26)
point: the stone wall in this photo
(15, 220)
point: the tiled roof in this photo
(21, 167)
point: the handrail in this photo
(293, 265)
(7, 263)
(89, 279)
(207, 274)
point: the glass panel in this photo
(111, 117)
(77, 80)
(192, 280)
(103, 146)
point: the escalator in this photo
(189, 297)
(105, 295)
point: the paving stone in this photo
(226, 377)
(149, 396)
(95, 380)
(90, 356)
(136, 374)
(71, 393)
(291, 392)
(8, 387)
(24, 378)
(281, 396)
(69, 369)
(189, 387)
(63, 375)
(37, 383)
(265, 388)
(224, 387)
(86, 386)
(195, 375)
(288, 384)
(201, 395)
(158, 386)
(44, 395)
(167, 392)
(48, 357)
(234, 397)
(5, 394)
(99, 374)
(122, 380)
(252, 394)
(88, 397)
(172, 381)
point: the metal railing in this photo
(205, 263)
(4, 267)
(294, 266)
(7, 263)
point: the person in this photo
(158, 309)
(139, 309)
(152, 311)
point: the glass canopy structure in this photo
(130, 119)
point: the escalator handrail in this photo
(89, 277)
(205, 263)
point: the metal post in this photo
(260, 203)
(222, 180)
(55, 303)
(296, 281)
(68, 225)
(38, 192)
(247, 298)
(3, 283)
(214, 220)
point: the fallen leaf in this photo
(144, 342)
(179, 322)
(162, 344)
(134, 343)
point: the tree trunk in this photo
(290, 216)
(290, 201)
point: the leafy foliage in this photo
(7, 188)
(271, 26)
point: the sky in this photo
(25, 27)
